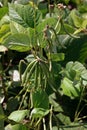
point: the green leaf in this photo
(77, 19)
(25, 15)
(48, 21)
(18, 42)
(40, 99)
(3, 11)
(39, 112)
(19, 127)
(66, 1)
(4, 30)
(40, 28)
(57, 56)
(63, 119)
(5, 20)
(70, 89)
(18, 115)
(16, 127)
(17, 28)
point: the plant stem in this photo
(44, 125)
(77, 113)
(50, 122)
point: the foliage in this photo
(43, 75)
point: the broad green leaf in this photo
(48, 21)
(19, 42)
(17, 28)
(39, 112)
(19, 127)
(5, 20)
(40, 99)
(4, 30)
(51, 22)
(77, 20)
(18, 115)
(25, 15)
(1, 118)
(3, 11)
(16, 127)
(63, 119)
(70, 89)
(68, 27)
(84, 24)
(76, 48)
(76, 72)
(57, 56)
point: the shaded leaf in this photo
(40, 99)
(1, 118)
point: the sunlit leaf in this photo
(25, 15)
(39, 112)
(70, 89)
(57, 56)
(18, 115)
(18, 42)
(16, 127)
(3, 11)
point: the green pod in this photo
(45, 69)
(27, 70)
(36, 75)
(30, 72)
